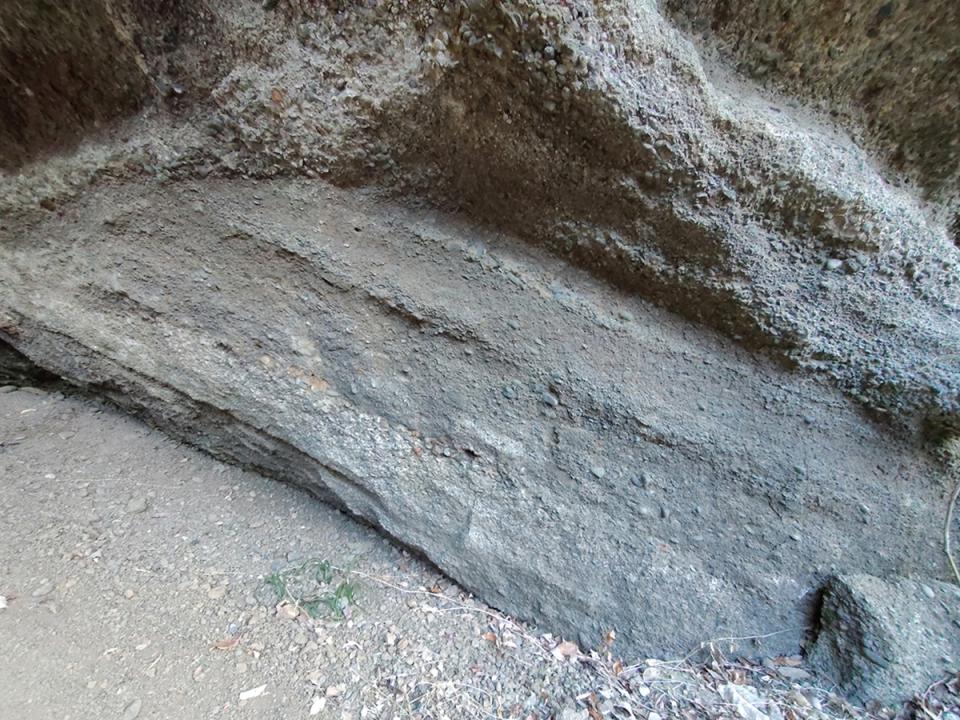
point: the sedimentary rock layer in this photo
(568, 451)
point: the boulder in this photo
(887, 639)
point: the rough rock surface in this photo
(888, 69)
(597, 131)
(52, 77)
(878, 637)
(565, 450)
(402, 253)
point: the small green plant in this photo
(306, 586)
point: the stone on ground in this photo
(886, 639)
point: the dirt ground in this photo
(133, 570)
(141, 578)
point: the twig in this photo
(946, 531)
(452, 605)
(952, 449)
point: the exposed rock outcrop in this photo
(64, 69)
(889, 70)
(569, 452)
(402, 254)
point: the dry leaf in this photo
(744, 700)
(436, 590)
(287, 610)
(276, 96)
(617, 668)
(610, 637)
(228, 643)
(490, 637)
(565, 649)
(252, 693)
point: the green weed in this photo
(307, 586)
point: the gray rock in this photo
(886, 639)
(43, 590)
(260, 341)
(132, 709)
(137, 504)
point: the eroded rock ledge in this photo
(566, 450)
(594, 129)
(403, 255)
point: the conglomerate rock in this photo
(401, 253)
(888, 70)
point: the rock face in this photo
(593, 324)
(888, 69)
(882, 640)
(52, 74)
(570, 452)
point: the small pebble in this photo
(132, 709)
(45, 589)
(136, 505)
